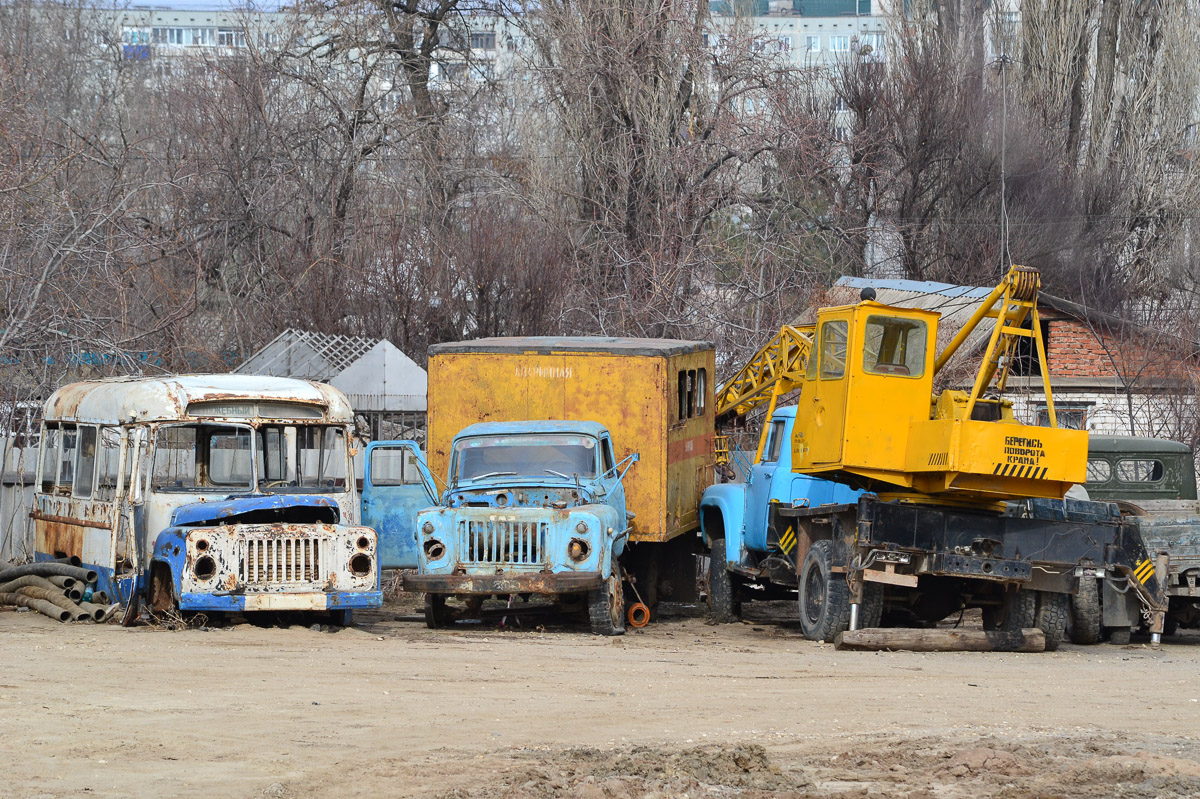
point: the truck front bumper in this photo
(488, 584)
(299, 600)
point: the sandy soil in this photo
(682, 708)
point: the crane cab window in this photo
(833, 349)
(894, 346)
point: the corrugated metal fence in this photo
(16, 497)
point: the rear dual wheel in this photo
(1025, 609)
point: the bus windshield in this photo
(273, 458)
(546, 456)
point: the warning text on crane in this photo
(1023, 457)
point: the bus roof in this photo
(122, 400)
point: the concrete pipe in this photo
(62, 581)
(54, 596)
(30, 580)
(49, 569)
(40, 605)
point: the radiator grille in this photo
(501, 541)
(283, 560)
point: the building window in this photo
(839, 44)
(785, 44)
(483, 41)
(231, 37)
(839, 104)
(812, 44)
(200, 37)
(1070, 417)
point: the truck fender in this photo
(170, 549)
(726, 502)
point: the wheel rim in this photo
(814, 595)
(616, 602)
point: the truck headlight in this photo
(205, 568)
(578, 550)
(360, 565)
(434, 549)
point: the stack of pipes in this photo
(61, 589)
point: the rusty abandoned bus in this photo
(207, 493)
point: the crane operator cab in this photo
(867, 415)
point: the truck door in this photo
(821, 413)
(396, 484)
(758, 490)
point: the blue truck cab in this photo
(735, 522)
(530, 508)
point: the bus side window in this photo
(106, 474)
(85, 462)
(50, 442)
(66, 460)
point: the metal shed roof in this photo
(374, 373)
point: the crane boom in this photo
(775, 370)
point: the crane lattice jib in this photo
(773, 371)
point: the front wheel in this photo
(824, 596)
(722, 606)
(606, 605)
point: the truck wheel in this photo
(722, 606)
(436, 614)
(824, 596)
(1118, 636)
(1085, 612)
(1017, 611)
(870, 613)
(1052, 617)
(606, 605)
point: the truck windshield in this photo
(549, 455)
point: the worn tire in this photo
(1017, 611)
(1118, 636)
(1085, 612)
(870, 612)
(606, 605)
(436, 615)
(1052, 612)
(1170, 625)
(824, 596)
(723, 606)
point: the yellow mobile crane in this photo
(943, 502)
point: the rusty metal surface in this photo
(123, 400)
(271, 558)
(529, 583)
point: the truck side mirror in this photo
(627, 462)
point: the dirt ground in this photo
(682, 708)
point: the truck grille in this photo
(283, 560)
(501, 541)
